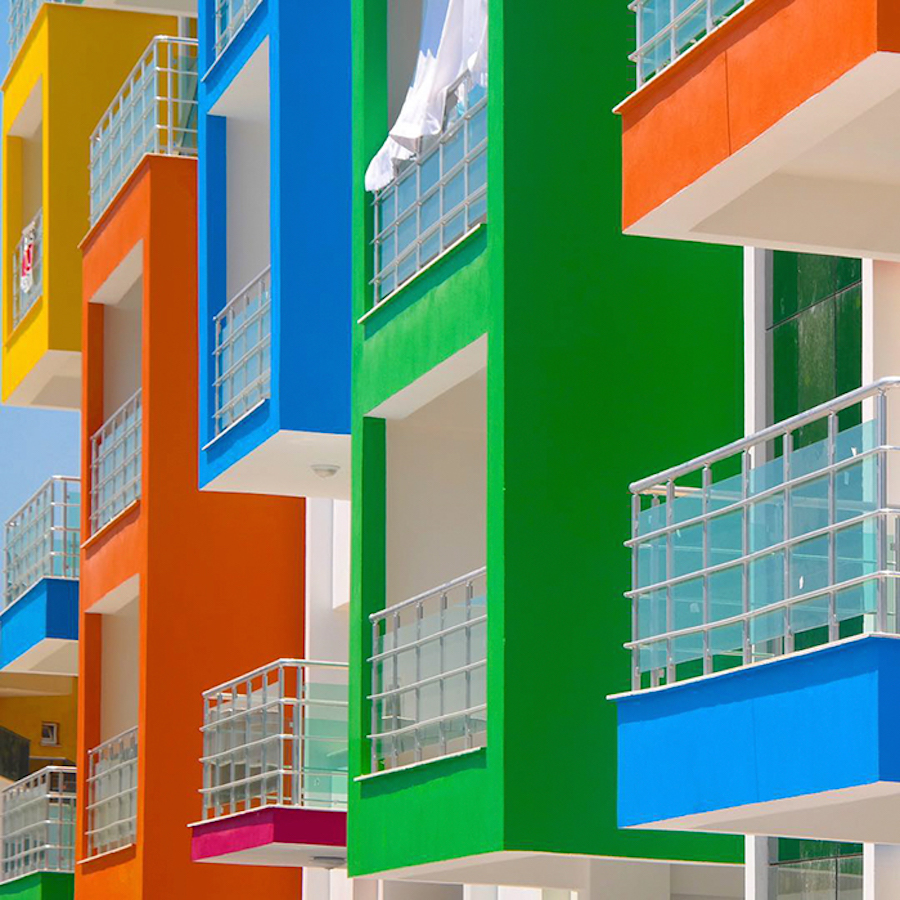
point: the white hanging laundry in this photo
(453, 43)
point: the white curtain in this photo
(453, 42)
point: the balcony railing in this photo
(243, 353)
(154, 112)
(116, 463)
(39, 823)
(276, 737)
(429, 668)
(437, 197)
(779, 542)
(28, 269)
(112, 794)
(230, 18)
(22, 14)
(43, 538)
(668, 28)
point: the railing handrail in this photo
(772, 431)
(244, 290)
(127, 83)
(47, 770)
(112, 416)
(440, 589)
(261, 670)
(71, 479)
(118, 737)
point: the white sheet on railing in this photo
(453, 42)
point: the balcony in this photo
(752, 123)
(116, 464)
(243, 353)
(765, 589)
(38, 815)
(275, 767)
(22, 14)
(28, 269)
(666, 29)
(154, 112)
(231, 15)
(437, 197)
(112, 794)
(429, 668)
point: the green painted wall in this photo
(42, 886)
(608, 358)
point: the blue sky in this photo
(34, 444)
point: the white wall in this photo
(248, 189)
(122, 348)
(437, 491)
(119, 680)
(327, 579)
(404, 29)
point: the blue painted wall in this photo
(47, 610)
(800, 725)
(310, 94)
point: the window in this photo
(815, 870)
(49, 734)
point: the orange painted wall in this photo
(765, 62)
(221, 574)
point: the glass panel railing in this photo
(116, 463)
(154, 112)
(28, 269)
(231, 15)
(38, 815)
(22, 14)
(112, 794)
(43, 538)
(774, 544)
(243, 355)
(668, 28)
(276, 737)
(429, 674)
(437, 197)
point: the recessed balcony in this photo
(111, 809)
(28, 269)
(765, 588)
(39, 622)
(38, 815)
(154, 112)
(765, 124)
(275, 768)
(231, 16)
(116, 458)
(22, 14)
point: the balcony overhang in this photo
(39, 631)
(274, 836)
(781, 129)
(804, 746)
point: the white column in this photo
(756, 868)
(756, 364)
(326, 563)
(881, 872)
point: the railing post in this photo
(881, 412)
(787, 640)
(670, 554)
(833, 631)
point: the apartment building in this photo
(764, 570)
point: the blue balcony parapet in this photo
(780, 542)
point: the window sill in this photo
(418, 765)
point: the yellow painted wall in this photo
(24, 715)
(80, 57)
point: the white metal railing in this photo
(28, 269)
(154, 112)
(22, 14)
(38, 815)
(116, 463)
(668, 28)
(112, 794)
(437, 197)
(779, 542)
(429, 668)
(231, 15)
(43, 538)
(276, 736)
(243, 354)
